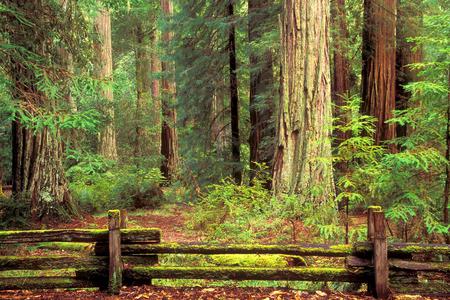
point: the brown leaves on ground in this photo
(222, 293)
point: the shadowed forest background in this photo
(262, 119)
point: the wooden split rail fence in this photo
(130, 256)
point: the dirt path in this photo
(170, 219)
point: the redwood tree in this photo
(378, 70)
(169, 137)
(408, 52)
(341, 66)
(103, 72)
(234, 97)
(302, 162)
(37, 154)
(261, 86)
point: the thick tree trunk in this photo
(408, 26)
(378, 71)
(169, 137)
(103, 71)
(262, 132)
(234, 99)
(302, 162)
(143, 146)
(37, 170)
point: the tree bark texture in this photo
(155, 65)
(169, 137)
(143, 145)
(234, 98)
(262, 132)
(37, 170)
(447, 168)
(408, 26)
(302, 162)
(103, 72)
(341, 66)
(378, 70)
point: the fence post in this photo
(370, 211)
(123, 218)
(115, 259)
(380, 256)
(370, 235)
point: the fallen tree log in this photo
(144, 235)
(143, 274)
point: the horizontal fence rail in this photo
(141, 235)
(130, 256)
(241, 273)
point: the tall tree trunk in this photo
(103, 71)
(234, 98)
(447, 169)
(218, 124)
(302, 162)
(143, 146)
(341, 67)
(341, 85)
(262, 133)
(37, 170)
(408, 26)
(169, 137)
(378, 70)
(155, 66)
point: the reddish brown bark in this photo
(378, 71)
(341, 67)
(262, 133)
(447, 156)
(408, 26)
(169, 137)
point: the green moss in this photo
(114, 213)
(137, 230)
(6, 233)
(249, 260)
(417, 248)
(66, 246)
(376, 208)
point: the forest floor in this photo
(172, 220)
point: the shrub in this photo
(98, 185)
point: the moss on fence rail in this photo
(297, 249)
(142, 274)
(138, 235)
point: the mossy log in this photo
(69, 261)
(142, 235)
(297, 250)
(28, 283)
(142, 274)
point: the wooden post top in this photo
(113, 219)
